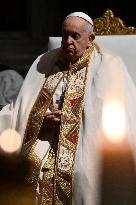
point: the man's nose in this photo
(69, 40)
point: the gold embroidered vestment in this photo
(56, 185)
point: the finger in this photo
(47, 112)
(56, 119)
(50, 116)
(58, 114)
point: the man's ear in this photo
(92, 37)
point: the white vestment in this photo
(107, 75)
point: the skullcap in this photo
(83, 16)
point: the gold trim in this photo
(36, 163)
(109, 24)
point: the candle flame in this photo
(10, 141)
(113, 121)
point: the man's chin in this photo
(69, 56)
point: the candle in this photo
(118, 179)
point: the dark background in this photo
(25, 25)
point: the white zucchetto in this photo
(83, 16)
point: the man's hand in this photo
(51, 123)
(53, 119)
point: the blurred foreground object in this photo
(10, 141)
(118, 169)
(14, 188)
(14, 171)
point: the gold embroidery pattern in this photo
(70, 130)
(46, 184)
(42, 103)
(35, 166)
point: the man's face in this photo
(76, 38)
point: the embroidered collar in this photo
(83, 60)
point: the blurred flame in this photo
(10, 141)
(113, 120)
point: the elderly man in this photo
(58, 114)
